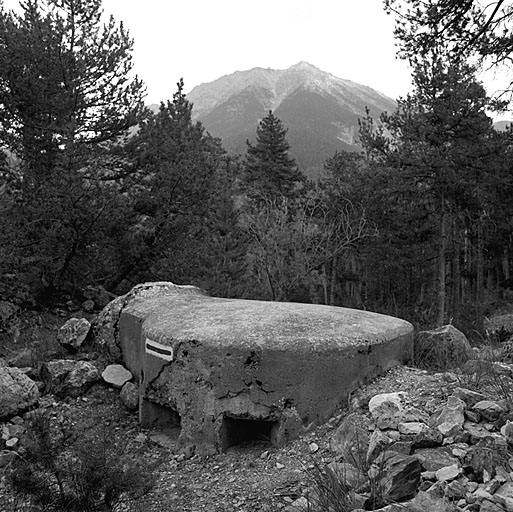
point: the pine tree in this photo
(67, 95)
(270, 171)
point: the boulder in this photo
(22, 358)
(66, 377)
(106, 326)
(351, 439)
(397, 476)
(445, 347)
(129, 395)
(488, 409)
(116, 375)
(449, 418)
(433, 459)
(73, 333)
(98, 295)
(17, 392)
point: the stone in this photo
(427, 438)
(73, 333)
(378, 443)
(88, 305)
(470, 397)
(490, 506)
(116, 375)
(12, 442)
(427, 502)
(396, 475)
(351, 439)
(412, 428)
(98, 295)
(448, 473)
(449, 418)
(223, 365)
(487, 454)
(507, 432)
(129, 395)
(17, 392)
(505, 490)
(445, 347)
(6, 457)
(7, 311)
(348, 474)
(455, 490)
(488, 409)
(22, 359)
(299, 505)
(433, 459)
(67, 377)
(313, 447)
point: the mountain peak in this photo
(320, 110)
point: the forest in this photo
(96, 189)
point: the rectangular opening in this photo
(238, 431)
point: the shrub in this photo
(64, 470)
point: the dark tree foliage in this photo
(269, 170)
(66, 97)
(462, 27)
(183, 214)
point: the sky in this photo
(201, 40)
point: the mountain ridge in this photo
(320, 110)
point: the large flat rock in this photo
(227, 370)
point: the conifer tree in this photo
(269, 170)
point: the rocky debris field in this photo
(410, 440)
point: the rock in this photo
(490, 506)
(116, 375)
(313, 447)
(7, 311)
(433, 459)
(488, 409)
(66, 377)
(348, 474)
(22, 359)
(396, 475)
(427, 502)
(412, 428)
(98, 295)
(468, 396)
(88, 305)
(384, 409)
(105, 328)
(17, 392)
(351, 439)
(448, 473)
(299, 505)
(12, 442)
(449, 418)
(507, 432)
(505, 490)
(73, 333)
(445, 347)
(378, 443)
(487, 454)
(130, 395)
(455, 490)
(6, 457)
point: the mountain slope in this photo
(320, 110)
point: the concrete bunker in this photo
(227, 371)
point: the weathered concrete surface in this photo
(226, 367)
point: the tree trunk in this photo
(441, 271)
(456, 269)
